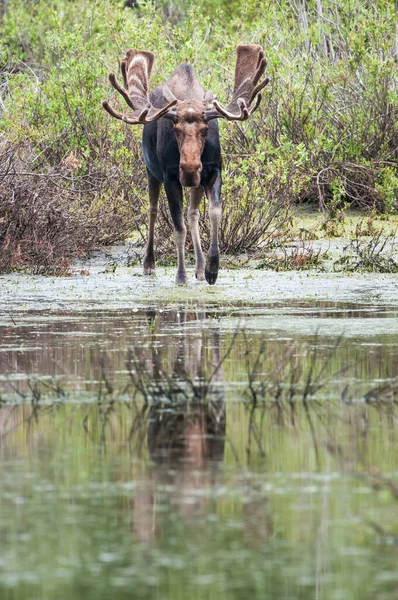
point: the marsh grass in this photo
(297, 257)
(374, 255)
(298, 374)
(157, 385)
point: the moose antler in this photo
(249, 67)
(136, 70)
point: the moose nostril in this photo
(190, 167)
(190, 178)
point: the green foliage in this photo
(326, 130)
(387, 186)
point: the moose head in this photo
(190, 117)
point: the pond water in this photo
(224, 443)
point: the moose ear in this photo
(168, 94)
(208, 100)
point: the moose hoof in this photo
(181, 279)
(200, 274)
(149, 265)
(211, 271)
(211, 278)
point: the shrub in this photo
(45, 223)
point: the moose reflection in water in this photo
(186, 431)
(186, 437)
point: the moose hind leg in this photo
(213, 192)
(195, 196)
(154, 192)
(175, 200)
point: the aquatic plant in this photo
(298, 257)
(374, 255)
(153, 384)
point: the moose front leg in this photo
(195, 196)
(175, 200)
(213, 193)
(154, 192)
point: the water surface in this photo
(201, 447)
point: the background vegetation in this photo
(72, 178)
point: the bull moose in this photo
(181, 145)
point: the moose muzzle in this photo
(190, 174)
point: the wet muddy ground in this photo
(235, 441)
